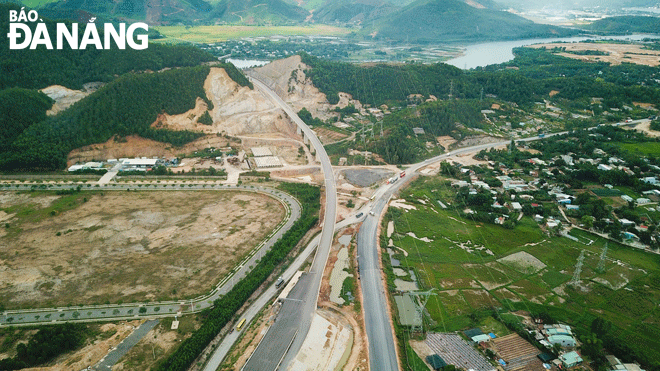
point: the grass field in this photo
(213, 34)
(462, 261)
(644, 148)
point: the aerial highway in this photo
(285, 338)
(382, 346)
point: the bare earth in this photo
(94, 352)
(618, 53)
(128, 246)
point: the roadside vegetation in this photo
(225, 307)
(486, 259)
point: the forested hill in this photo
(123, 107)
(37, 69)
(257, 12)
(529, 78)
(169, 12)
(626, 25)
(455, 21)
(353, 11)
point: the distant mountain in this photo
(353, 11)
(257, 12)
(624, 25)
(153, 11)
(159, 12)
(523, 5)
(456, 21)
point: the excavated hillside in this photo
(288, 76)
(237, 110)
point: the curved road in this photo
(382, 346)
(94, 313)
(284, 339)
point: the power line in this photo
(578, 269)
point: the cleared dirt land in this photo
(613, 53)
(97, 247)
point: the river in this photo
(481, 55)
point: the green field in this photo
(644, 148)
(213, 34)
(462, 262)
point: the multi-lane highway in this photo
(281, 343)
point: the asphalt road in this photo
(95, 313)
(311, 285)
(122, 348)
(382, 346)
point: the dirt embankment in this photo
(65, 97)
(241, 110)
(288, 75)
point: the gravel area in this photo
(366, 177)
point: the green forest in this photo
(39, 68)
(132, 99)
(45, 345)
(123, 107)
(527, 79)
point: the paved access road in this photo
(94, 313)
(115, 354)
(310, 286)
(382, 346)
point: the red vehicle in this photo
(402, 174)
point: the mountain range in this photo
(392, 20)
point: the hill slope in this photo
(628, 24)
(257, 12)
(454, 20)
(178, 11)
(352, 11)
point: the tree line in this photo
(225, 307)
(48, 343)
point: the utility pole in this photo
(578, 269)
(420, 299)
(601, 263)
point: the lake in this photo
(246, 63)
(481, 55)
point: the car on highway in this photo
(402, 174)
